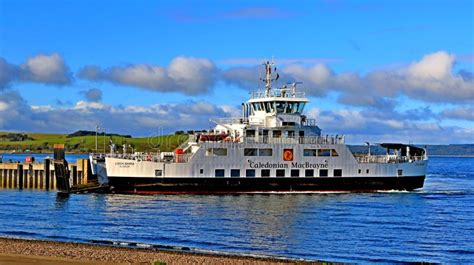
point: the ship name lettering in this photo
(305, 165)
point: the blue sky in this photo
(376, 70)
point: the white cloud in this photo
(459, 113)
(137, 120)
(430, 79)
(187, 75)
(42, 68)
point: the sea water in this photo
(435, 224)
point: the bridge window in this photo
(269, 107)
(265, 173)
(309, 173)
(337, 172)
(309, 152)
(280, 173)
(265, 152)
(235, 173)
(295, 172)
(324, 152)
(250, 173)
(323, 172)
(301, 107)
(280, 106)
(220, 173)
(334, 153)
(250, 151)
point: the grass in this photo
(86, 144)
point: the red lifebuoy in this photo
(288, 154)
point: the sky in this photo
(379, 71)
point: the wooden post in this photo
(74, 175)
(46, 173)
(85, 171)
(1, 177)
(20, 176)
(31, 174)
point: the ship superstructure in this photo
(272, 147)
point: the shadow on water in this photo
(61, 200)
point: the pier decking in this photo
(41, 176)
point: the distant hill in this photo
(92, 133)
(448, 150)
(84, 142)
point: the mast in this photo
(268, 77)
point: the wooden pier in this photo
(41, 176)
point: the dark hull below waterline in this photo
(247, 185)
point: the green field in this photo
(43, 143)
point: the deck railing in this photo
(328, 139)
(388, 159)
(167, 157)
(277, 93)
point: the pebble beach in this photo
(21, 251)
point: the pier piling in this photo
(41, 176)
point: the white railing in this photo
(231, 120)
(309, 122)
(338, 139)
(167, 157)
(277, 93)
(387, 159)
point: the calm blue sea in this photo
(435, 224)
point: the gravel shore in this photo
(20, 251)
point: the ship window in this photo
(250, 133)
(158, 173)
(291, 134)
(309, 173)
(324, 152)
(323, 172)
(250, 151)
(216, 152)
(280, 173)
(220, 173)
(309, 152)
(235, 173)
(201, 171)
(295, 172)
(265, 152)
(367, 171)
(337, 172)
(265, 173)
(250, 173)
(277, 134)
(360, 170)
(334, 153)
(400, 172)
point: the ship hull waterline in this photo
(194, 185)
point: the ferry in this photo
(271, 147)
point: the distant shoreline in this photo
(13, 251)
